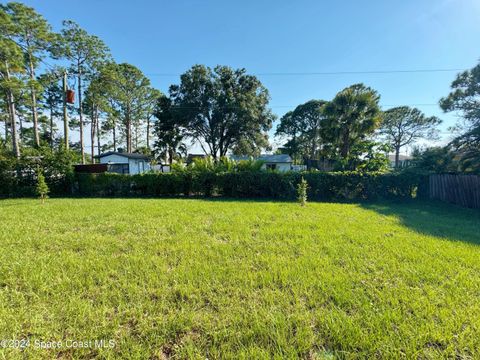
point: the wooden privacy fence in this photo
(463, 190)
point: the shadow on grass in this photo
(433, 218)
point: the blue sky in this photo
(167, 37)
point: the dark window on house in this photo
(118, 168)
(271, 166)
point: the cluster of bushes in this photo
(438, 160)
(251, 184)
(19, 177)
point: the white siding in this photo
(136, 166)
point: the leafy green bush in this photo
(435, 160)
(224, 164)
(365, 156)
(18, 176)
(8, 180)
(249, 165)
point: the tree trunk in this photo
(213, 151)
(98, 137)
(114, 137)
(136, 135)
(7, 112)
(20, 126)
(129, 132)
(292, 153)
(397, 156)
(65, 111)
(12, 111)
(51, 126)
(345, 150)
(6, 121)
(148, 132)
(33, 94)
(13, 125)
(80, 110)
(93, 127)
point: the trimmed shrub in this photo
(254, 184)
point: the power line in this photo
(294, 106)
(381, 105)
(317, 73)
(327, 73)
(313, 73)
(362, 72)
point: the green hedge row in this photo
(18, 177)
(321, 186)
(21, 181)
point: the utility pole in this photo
(65, 113)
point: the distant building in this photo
(281, 162)
(404, 161)
(191, 157)
(125, 163)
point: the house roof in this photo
(277, 158)
(124, 154)
(280, 158)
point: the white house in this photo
(125, 163)
(281, 162)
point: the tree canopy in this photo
(303, 128)
(128, 90)
(465, 99)
(11, 76)
(402, 126)
(34, 35)
(86, 53)
(222, 107)
(170, 130)
(351, 116)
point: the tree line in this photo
(352, 127)
(223, 110)
(114, 99)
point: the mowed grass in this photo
(174, 279)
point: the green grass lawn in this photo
(170, 279)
